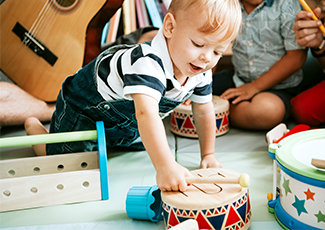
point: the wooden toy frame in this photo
(58, 179)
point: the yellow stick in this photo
(307, 8)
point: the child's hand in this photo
(210, 161)
(242, 93)
(172, 178)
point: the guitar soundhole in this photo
(67, 3)
(65, 6)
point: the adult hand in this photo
(307, 32)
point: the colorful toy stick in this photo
(307, 8)
(48, 138)
(243, 180)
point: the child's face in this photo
(193, 52)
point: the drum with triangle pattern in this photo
(213, 206)
(182, 121)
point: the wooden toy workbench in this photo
(58, 179)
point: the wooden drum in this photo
(182, 122)
(213, 206)
(301, 202)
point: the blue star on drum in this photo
(299, 205)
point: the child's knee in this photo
(270, 105)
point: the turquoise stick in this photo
(102, 156)
(48, 138)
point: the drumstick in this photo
(318, 163)
(243, 180)
(307, 8)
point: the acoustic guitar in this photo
(44, 41)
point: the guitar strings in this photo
(46, 16)
(49, 20)
(38, 20)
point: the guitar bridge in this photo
(35, 45)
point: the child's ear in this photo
(169, 25)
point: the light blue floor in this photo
(238, 150)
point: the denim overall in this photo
(79, 106)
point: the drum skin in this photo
(182, 122)
(302, 186)
(213, 206)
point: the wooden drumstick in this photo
(243, 180)
(318, 163)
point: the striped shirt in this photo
(148, 69)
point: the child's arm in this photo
(170, 175)
(205, 124)
(280, 71)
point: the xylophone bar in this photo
(243, 180)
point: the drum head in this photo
(295, 153)
(206, 196)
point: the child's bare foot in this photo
(34, 127)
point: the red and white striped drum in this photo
(213, 206)
(182, 122)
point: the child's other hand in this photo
(210, 161)
(172, 178)
(242, 93)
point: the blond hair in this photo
(221, 15)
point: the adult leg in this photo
(309, 106)
(263, 112)
(16, 106)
